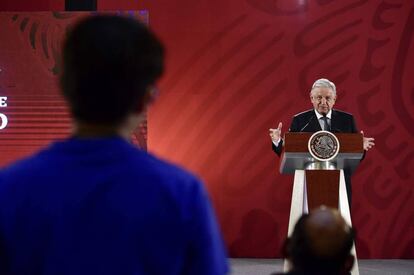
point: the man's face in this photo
(323, 99)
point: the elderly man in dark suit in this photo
(321, 117)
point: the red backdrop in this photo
(236, 68)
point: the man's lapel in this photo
(314, 125)
(334, 119)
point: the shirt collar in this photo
(328, 115)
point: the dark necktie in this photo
(326, 126)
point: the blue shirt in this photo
(102, 206)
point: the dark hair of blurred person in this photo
(110, 65)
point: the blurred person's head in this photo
(110, 66)
(321, 243)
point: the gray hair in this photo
(326, 83)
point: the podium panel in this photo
(297, 156)
(321, 185)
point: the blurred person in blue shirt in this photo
(94, 203)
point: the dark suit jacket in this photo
(341, 122)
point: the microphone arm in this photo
(306, 125)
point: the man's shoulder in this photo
(21, 167)
(64, 158)
(341, 113)
(309, 113)
(304, 114)
(161, 168)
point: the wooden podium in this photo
(317, 182)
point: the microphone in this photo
(306, 125)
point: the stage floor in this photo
(366, 267)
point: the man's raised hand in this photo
(276, 134)
(368, 142)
